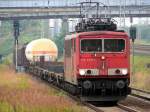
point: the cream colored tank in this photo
(41, 48)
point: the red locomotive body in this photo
(98, 64)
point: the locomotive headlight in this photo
(103, 57)
(124, 71)
(82, 72)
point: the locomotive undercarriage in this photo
(89, 89)
(104, 89)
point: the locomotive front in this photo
(104, 66)
(97, 60)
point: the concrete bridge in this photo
(37, 9)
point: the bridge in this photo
(37, 9)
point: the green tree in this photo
(59, 40)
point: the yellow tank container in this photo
(44, 48)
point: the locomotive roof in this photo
(91, 33)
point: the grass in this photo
(22, 93)
(8, 80)
(5, 107)
(7, 60)
(140, 64)
(22, 82)
(141, 77)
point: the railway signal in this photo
(133, 33)
(1, 56)
(133, 37)
(16, 29)
(16, 35)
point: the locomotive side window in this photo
(114, 45)
(91, 45)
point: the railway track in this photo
(138, 100)
(109, 108)
(141, 94)
(131, 104)
(141, 49)
(136, 96)
(97, 106)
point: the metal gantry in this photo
(46, 9)
(58, 3)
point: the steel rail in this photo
(126, 108)
(146, 95)
(139, 90)
(92, 107)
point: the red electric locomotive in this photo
(97, 60)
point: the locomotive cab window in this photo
(114, 45)
(91, 45)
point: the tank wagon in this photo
(40, 52)
(41, 48)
